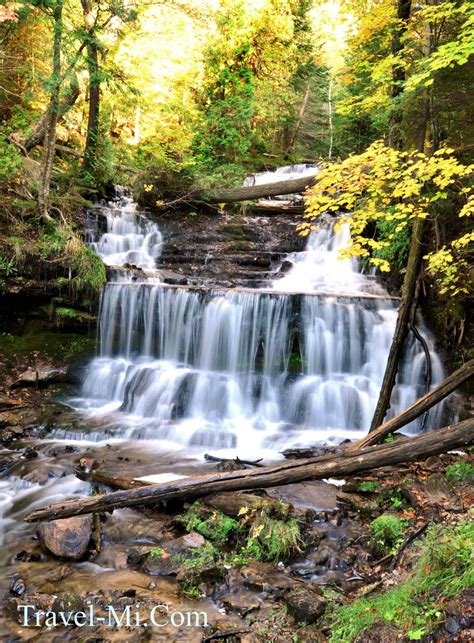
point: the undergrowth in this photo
(444, 569)
(255, 534)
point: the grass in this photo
(444, 569)
(258, 535)
(460, 472)
(387, 534)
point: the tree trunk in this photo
(344, 464)
(93, 120)
(296, 129)
(408, 304)
(53, 113)
(403, 323)
(419, 407)
(398, 73)
(249, 193)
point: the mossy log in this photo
(344, 464)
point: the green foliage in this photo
(158, 552)
(216, 527)
(272, 539)
(460, 472)
(195, 560)
(7, 266)
(10, 161)
(387, 534)
(65, 347)
(259, 535)
(395, 244)
(444, 569)
(190, 589)
(392, 188)
(369, 486)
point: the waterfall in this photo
(130, 238)
(296, 364)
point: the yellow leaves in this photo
(148, 187)
(383, 184)
(468, 208)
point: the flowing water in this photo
(293, 365)
(184, 371)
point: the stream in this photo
(184, 371)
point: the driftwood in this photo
(450, 384)
(234, 461)
(102, 477)
(252, 192)
(347, 463)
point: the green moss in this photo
(273, 539)
(64, 347)
(216, 527)
(444, 570)
(158, 552)
(387, 534)
(369, 486)
(190, 589)
(196, 559)
(460, 472)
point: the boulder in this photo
(66, 538)
(42, 376)
(165, 559)
(305, 603)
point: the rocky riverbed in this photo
(133, 561)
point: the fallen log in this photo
(347, 463)
(109, 479)
(450, 384)
(253, 192)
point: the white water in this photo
(256, 371)
(245, 373)
(130, 239)
(320, 268)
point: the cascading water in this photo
(297, 364)
(130, 238)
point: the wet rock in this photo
(29, 453)
(8, 403)
(305, 603)
(437, 488)
(27, 557)
(67, 604)
(452, 626)
(317, 495)
(263, 577)
(358, 502)
(18, 587)
(165, 560)
(41, 603)
(134, 558)
(66, 538)
(242, 601)
(41, 376)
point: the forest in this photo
(236, 302)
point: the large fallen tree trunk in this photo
(251, 192)
(450, 384)
(346, 463)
